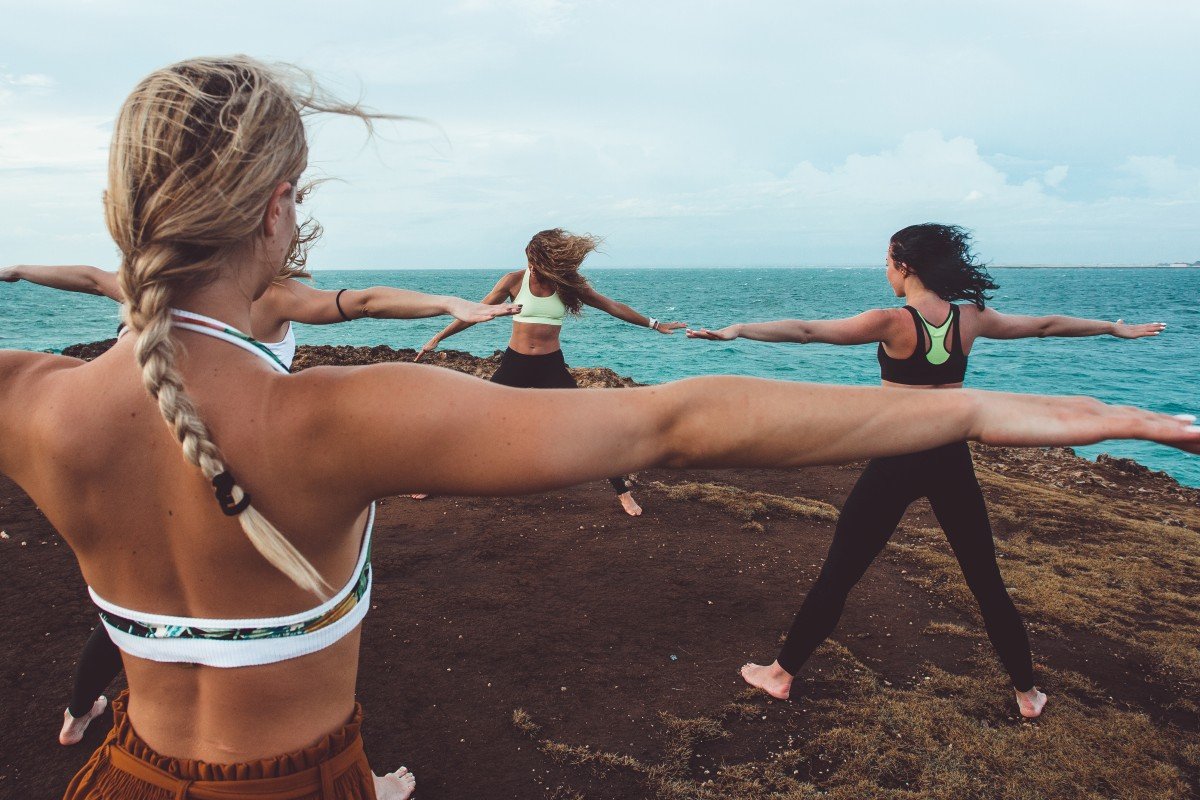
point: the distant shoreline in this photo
(601, 267)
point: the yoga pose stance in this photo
(286, 300)
(929, 266)
(549, 288)
(229, 550)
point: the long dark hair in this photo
(940, 255)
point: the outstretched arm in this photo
(298, 302)
(994, 325)
(69, 277)
(623, 312)
(498, 296)
(869, 326)
(390, 429)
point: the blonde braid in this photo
(149, 314)
(197, 149)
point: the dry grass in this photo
(947, 738)
(1088, 564)
(951, 629)
(751, 507)
(1084, 564)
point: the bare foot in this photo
(418, 496)
(398, 785)
(73, 728)
(629, 504)
(1031, 703)
(772, 679)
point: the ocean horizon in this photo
(1156, 373)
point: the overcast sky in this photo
(687, 133)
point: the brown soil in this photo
(551, 647)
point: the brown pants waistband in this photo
(286, 787)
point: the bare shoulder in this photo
(277, 296)
(20, 368)
(25, 381)
(338, 417)
(890, 319)
(333, 397)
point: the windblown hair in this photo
(556, 255)
(197, 150)
(940, 255)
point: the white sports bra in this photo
(250, 641)
(284, 350)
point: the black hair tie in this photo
(224, 483)
(337, 301)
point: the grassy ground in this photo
(1116, 570)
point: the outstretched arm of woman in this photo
(623, 312)
(869, 326)
(299, 302)
(994, 325)
(68, 277)
(498, 296)
(388, 429)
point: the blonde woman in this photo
(286, 300)
(229, 549)
(550, 287)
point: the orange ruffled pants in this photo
(125, 768)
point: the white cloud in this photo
(48, 141)
(1162, 178)
(1054, 176)
(32, 80)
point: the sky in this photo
(700, 133)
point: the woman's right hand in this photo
(727, 334)
(428, 347)
(9, 275)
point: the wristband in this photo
(337, 301)
(653, 324)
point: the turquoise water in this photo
(1157, 373)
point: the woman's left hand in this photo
(1124, 330)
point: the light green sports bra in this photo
(539, 310)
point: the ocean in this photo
(1159, 373)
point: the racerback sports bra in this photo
(931, 363)
(254, 640)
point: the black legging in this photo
(876, 503)
(99, 664)
(546, 371)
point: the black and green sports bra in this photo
(932, 362)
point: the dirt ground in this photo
(551, 647)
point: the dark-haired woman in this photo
(548, 289)
(925, 344)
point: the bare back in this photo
(149, 536)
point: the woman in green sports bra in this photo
(923, 344)
(549, 288)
